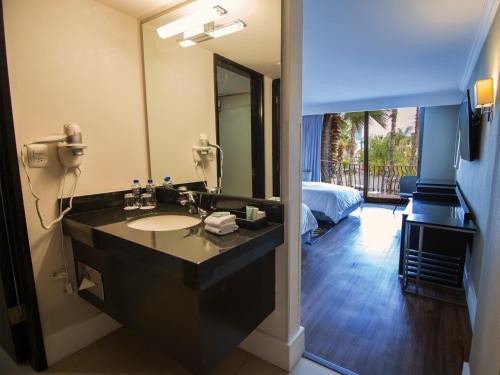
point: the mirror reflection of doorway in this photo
(240, 127)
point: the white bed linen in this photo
(308, 221)
(331, 200)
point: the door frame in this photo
(24, 340)
(276, 118)
(257, 120)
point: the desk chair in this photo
(407, 185)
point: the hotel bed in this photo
(308, 223)
(329, 201)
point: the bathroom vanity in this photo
(195, 294)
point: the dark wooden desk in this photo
(436, 231)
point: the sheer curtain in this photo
(312, 126)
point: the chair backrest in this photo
(408, 184)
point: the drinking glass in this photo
(129, 202)
(147, 202)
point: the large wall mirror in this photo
(210, 69)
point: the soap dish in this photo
(242, 222)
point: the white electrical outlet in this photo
(38, 156)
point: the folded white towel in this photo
(220, 221)
(221, 231)
(222, 227)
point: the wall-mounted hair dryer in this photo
(70, 151)
(69, 145)
(203, 148)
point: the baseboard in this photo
(332, 366)
(76, 337)
(466, 369)
(282, 354)
(470, 295)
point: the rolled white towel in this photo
(221, 231)
(220, 221)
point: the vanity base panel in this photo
(197, 326)
(231, 309)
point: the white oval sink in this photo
(162, 223)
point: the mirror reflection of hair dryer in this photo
(203, 150)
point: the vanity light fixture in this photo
(211, 32)
(190, 22)
(187, 43)
(485, 96)
(228, 28)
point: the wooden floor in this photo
(355, 314)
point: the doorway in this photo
(239, 96)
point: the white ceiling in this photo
(361, 54)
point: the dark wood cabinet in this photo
(198, 315)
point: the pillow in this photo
(306, 176)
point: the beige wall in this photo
(74, 61)
(480, 180)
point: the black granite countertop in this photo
(193, 245)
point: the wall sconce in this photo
(485, 96)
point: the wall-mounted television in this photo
(469, 126)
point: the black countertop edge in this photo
(202, 275)
(212, 202)
(444, 222)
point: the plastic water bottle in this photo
(151, 189)
(167, 183)
(136, 190)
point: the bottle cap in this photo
(150, 181)
(136, 181)
(167, 178)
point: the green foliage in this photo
(350, 128)
(378, 149)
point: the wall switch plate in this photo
(38, 156)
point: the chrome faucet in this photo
(188, 200)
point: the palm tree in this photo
(344, 140)
(392, 145)
(337, 124)
(326, 136)
(356, 121)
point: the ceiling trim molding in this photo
(488, 14)
(429, 99)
